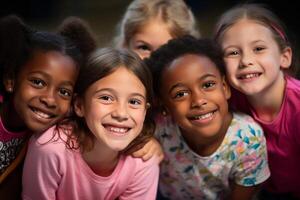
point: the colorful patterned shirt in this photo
(241, 158)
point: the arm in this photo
(152, 148)
(41, 175)
(242, 192)
(144, 183)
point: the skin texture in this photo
(198, 104)
(42, 91)
(114, 109)
(254, 65)
(150, 37)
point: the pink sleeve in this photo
(144, 183)
(41, 174)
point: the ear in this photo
(226, 88)
(286, 58)
(78, 106)
(9, 84)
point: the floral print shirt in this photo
(241, 158)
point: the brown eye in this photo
(208, 85)
(180, 94)
(38, 83)
(143, 47)
(65, 92)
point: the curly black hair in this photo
(175, 48)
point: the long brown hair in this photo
(100, 64)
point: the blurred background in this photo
(104, 15)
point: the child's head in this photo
(113, 91)
(39, 71)
(191, 85)
(256, 47)
(147, 25)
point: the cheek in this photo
(178, 110)
(139, 116)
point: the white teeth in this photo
(249, 76)
(203, 116)
(118, 130)
(41, 114)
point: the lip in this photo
(202, 117)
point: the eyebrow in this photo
(201, 78)
(114, 92)
(49, 77)
(144, 42)
(252, 42)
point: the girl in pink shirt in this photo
(258, 54)
(83, 158)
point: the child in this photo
(146, 25)
(84, 159)
(38, 73)
(257, 54)
(210, 153)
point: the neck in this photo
(10, 118)
(267, 103)
(205, 146)
(101, 159)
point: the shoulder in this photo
(138, 164)
(292, 91)
(244, 121)
(48, 142)
(243, 127)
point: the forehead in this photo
(246, 29)
(154, 30)
(122, 81)
(190, 67)
(51, 62)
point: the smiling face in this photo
(43, 89)
(114, 108)
(253, 58)
(150, 37)
(195, 95)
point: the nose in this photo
(120, 112)
(198, 100)
(247, 60)
(48, 98)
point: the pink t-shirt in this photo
(10, 145)
(283, 139)
(52, 171)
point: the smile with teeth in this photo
(249, 76)
(41, 114)
(203, 117)
(117, 130)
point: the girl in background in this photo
(38, 73)
(258, 58)
(83, 157)
(146, 25)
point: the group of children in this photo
(223, 111)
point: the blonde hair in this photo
(175, 13)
